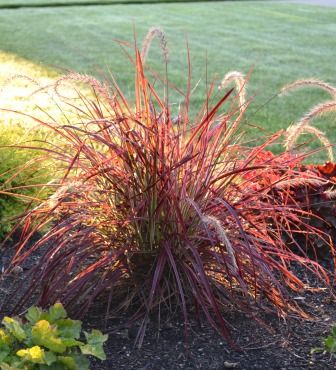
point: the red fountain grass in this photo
(154, 211)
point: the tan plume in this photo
(84, 79)
(300, 181)
(310, 82)
(215, 223)
(240, 83)
(294, 132)
(330, 193)
(303, 125)
(151, 34)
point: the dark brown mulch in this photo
(288, 346)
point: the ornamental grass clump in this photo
(156, 214)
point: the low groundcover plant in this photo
(330, 341)
(19, 169)
(47, 340)
(157, 211)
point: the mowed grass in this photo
(23, 3)
(278, 43)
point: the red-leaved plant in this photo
(159, 211)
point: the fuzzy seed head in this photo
(239, 80)
(151, 34)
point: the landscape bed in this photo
(188, 223)
(272, 181)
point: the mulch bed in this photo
(288, 347)
(285, 344)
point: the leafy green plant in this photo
(21, 171)
(47, 340)
(330, 341)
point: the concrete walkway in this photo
(315, 2)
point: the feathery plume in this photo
(294, 131)
(330, 193)
(303, 125)
(311, 82)
(10, 79)
(155, 32)
(301, 181)
(323, 139)
(239, 80)
(215, 223)
(81, 78)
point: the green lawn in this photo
(9, 3)
(279, 42)
(46, 2)
(50, 2)
(15, 3)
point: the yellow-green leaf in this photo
(70, 342)
(34, 354)
(14, 327)
(49, 358)
(46, 335)
(4, 351)
(4, 337)
(69, 328)
(69, 362)
(4, 366)
(81, 361)
(33, 315)
(56, 312)
(96, 337)
(5, 342)
(94, 347)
